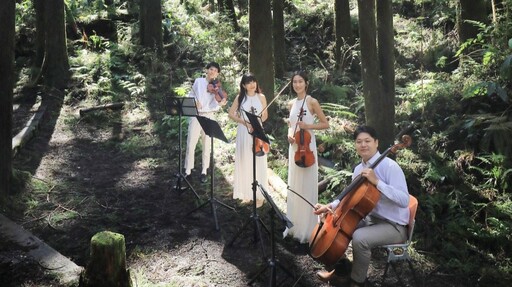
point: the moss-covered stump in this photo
(107, 265)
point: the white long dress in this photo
(303, 181)
(244, 157)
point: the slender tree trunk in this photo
(55, 67)
(7, 12)
(343, 28)
(279, 41)
(232, 14)
(40, 38)
(151, 24)
(386, 44)
(261, 59)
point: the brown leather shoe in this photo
(324, 275)
(332, 278)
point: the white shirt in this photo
(394, 199)
(200, 92)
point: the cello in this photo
(330, 238)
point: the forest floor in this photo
(114, 174)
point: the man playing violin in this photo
(209, 98)
(386, 223)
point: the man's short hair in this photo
(213, 64)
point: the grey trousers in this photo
(372, 232)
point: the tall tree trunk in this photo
(279, 42)
(386, 48)
(372, 85)
(232, 14)
(342, 27)
(55, 68)
(261, 59)
(151, 24)
(7, 12)
(470, 10)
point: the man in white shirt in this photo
(209, 99)
(387, 222)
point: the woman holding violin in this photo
(387, 221)
(249, 99)
(306, 115)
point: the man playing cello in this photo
(386, 223)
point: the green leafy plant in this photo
(495, 174)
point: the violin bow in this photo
(275, 98)
(301, 113)
(301, 197)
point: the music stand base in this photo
(179, 187)
(272, 265)
(256, 220)
(214, 204)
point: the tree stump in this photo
(107, 265)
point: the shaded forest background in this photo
(453, 77)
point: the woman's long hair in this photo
(246, 79)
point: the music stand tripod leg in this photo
(178, 104)
(272, 262)
(208, 125)
(254, 216)
(257, 223)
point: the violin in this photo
(218, 92)
(304, 156)
(260, 147)
(330, 238)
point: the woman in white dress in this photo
(305, 114)
(249, 99)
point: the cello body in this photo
(330, 240)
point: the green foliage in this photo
(167, 127)
(337, 110)
(492, 168)
(97, 43)
(24, 15)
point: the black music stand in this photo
(272, 263)
(183, 106)
(256, 133)
(212, 129)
